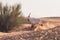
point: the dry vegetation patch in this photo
(44, 26)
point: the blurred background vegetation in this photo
(10, 17)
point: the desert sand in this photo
(49, 31)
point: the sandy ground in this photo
(50, 34)
(27, 33)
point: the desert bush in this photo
(10, 17)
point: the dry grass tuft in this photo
(44, 27)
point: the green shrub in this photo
(10, 17)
